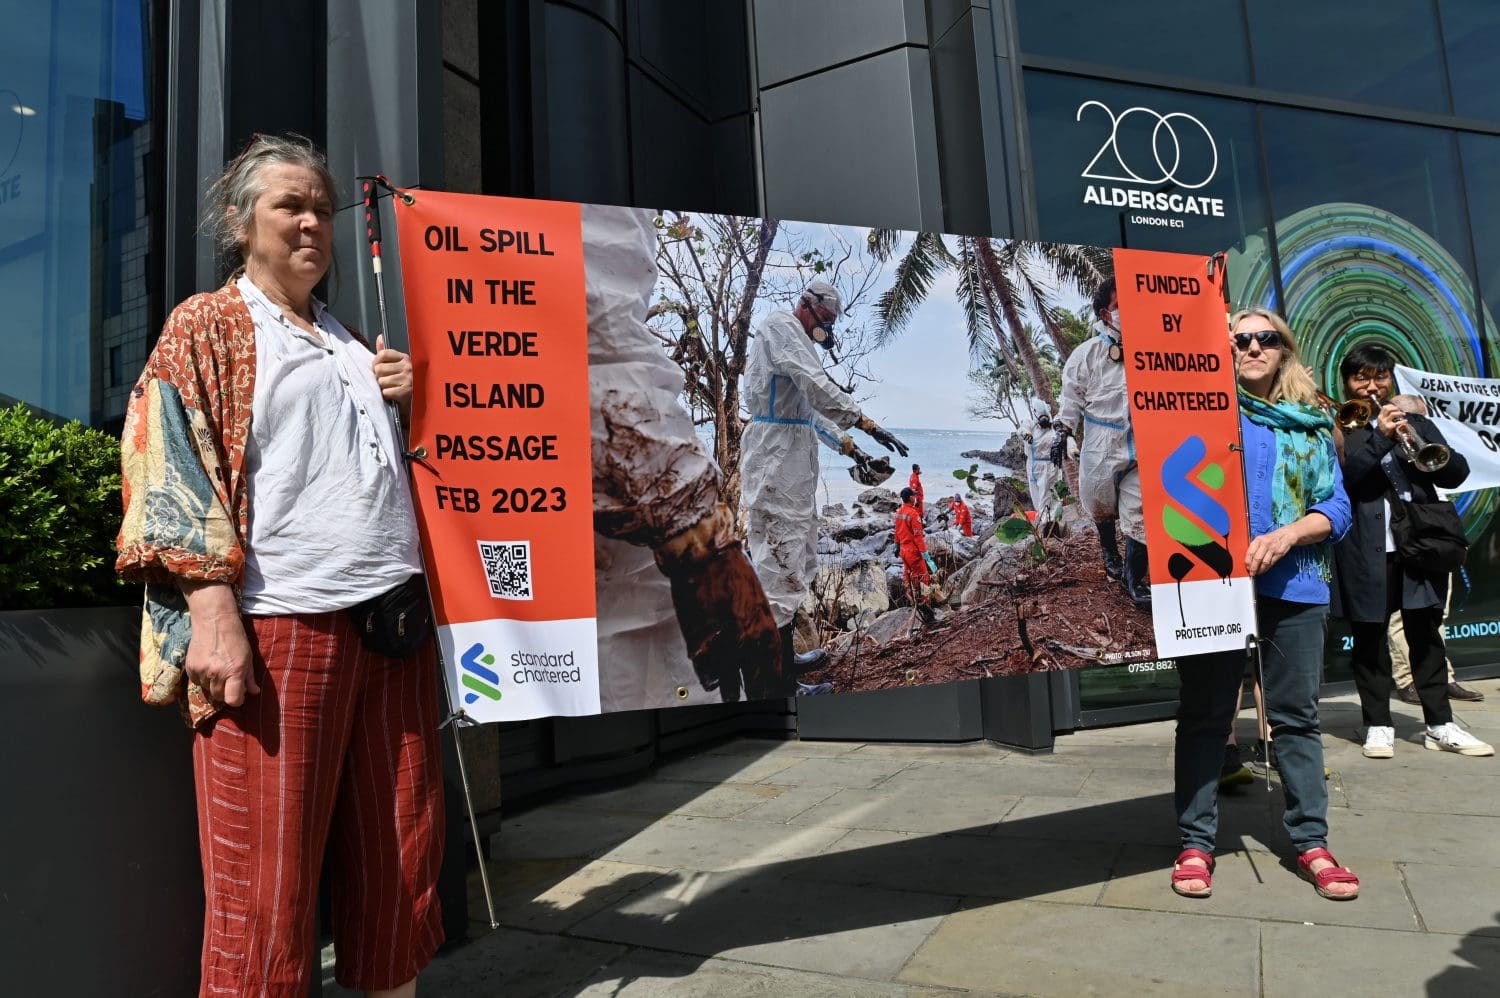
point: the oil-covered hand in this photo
(722, 610)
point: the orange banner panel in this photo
(1180, 375)
(499, 339)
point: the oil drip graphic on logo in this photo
(479, 678)
(1186, 490)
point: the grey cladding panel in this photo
(682, 161)
(797, 37)
(854, 145)
(587, 113)
(698, 50)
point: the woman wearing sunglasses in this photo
(1297, 507)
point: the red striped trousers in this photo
(339, 742)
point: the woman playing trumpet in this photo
(1373, 581)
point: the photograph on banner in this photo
(821, 458)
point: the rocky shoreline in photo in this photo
(859, 596)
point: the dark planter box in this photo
(1020, 711)
(101, 891)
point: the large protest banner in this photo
(1467, 412)
(495, 308)
(586, 380)
(1180, 374)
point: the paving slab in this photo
(1404, 837)
(508, 962)
(1456, 899)
(983, 866)
(1423, 781)
(736, 767)
(1147, 820)
(561, 901)
(908, 808)
(647, 974)
(1136, 756)
(1068, 951)
(787, 803)
(710, 844)
(1010, 777)
(914, 752)
(1262, 886)
(838, 772)
(797, 747)
(1125, 782)
(1333, 960)
(660, 796)
(557, 831)
(859, 932)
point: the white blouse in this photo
(331, 521)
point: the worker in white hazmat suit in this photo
(1042, 475)
(794, 405)
(682, 617)
(1095, 406)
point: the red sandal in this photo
(1204, 873)
(1334, 874)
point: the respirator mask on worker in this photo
(822, 331)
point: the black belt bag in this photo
(1429, 536)
(397, 622)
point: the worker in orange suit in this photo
(916, 486)
(962, 518)
(911, 542)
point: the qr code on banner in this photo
(507, 568)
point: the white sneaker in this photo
(1451, 738)
(1380, 742)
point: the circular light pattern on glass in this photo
(1355, 274)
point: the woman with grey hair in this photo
(265, 499)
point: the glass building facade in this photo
(1346, 154)
(76, 183)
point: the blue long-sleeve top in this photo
(1282, 580)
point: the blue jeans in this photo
(1291, 640)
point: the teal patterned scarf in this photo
(1304, 473)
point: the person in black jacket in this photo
(1374, 583)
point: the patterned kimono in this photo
(182, 456)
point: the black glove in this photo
(870, 471)
(1059, 451)
(884, 437)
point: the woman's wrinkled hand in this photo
(1267, 549)
(219, 659)
(393, 372)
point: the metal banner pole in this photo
(456, 718)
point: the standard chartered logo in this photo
(479, 676)
(1175, 149)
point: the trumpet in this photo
(1416, 450)
(1422, 454)
(1350, 415)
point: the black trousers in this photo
(1371, 659)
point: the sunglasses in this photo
(1269, 339)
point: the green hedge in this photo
(59, 513)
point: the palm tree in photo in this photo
(998, 281)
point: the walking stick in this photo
(455, 718)
(1218, 264)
